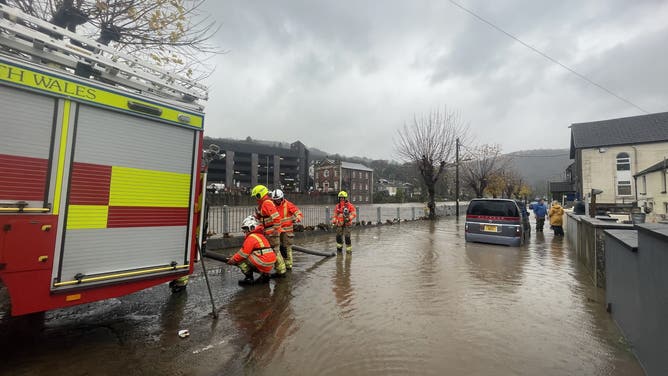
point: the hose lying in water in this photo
(222, 258)
(312, 252)
(216, 256)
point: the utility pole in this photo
(457, 178)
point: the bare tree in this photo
(429, 143)
(513, 183)
(172, 33)
(485, 163)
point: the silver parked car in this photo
(494, 220)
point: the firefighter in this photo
(256, 254)
(289, 213)
(268, 217)
(179, 284)
(344, 213)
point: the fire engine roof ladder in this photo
(44, 42)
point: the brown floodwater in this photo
(413, 298)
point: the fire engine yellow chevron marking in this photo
(137, 187)
(87, 216)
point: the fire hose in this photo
(222, 258)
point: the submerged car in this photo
(495, 221)
(525, 217)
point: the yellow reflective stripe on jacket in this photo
(256, 258)
(260, 241)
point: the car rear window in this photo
(493, 208)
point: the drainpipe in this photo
(635, 171)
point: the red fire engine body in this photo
(99, 184)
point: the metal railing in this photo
(227, 219)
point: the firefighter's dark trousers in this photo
(341, 233)
(286, 248)
(275, 242)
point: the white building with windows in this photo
(652, 191)
(608, 153)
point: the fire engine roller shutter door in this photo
(128, 204)
(27, 127)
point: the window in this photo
(336, 185)
(354, 186)
(316, 174)
(624, 175)
(624, 188)
(326, 173)
(623, 162)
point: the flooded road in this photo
(413, 298)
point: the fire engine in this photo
(100, 168)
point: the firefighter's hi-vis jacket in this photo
(289, 213)
(257, 251)
(340, 218)
(268, 216)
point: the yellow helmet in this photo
(343, 194)
(259, 191)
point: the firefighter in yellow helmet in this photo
(344, 214)
(268, 216)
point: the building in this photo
(393, 187)
(247, 163)
(651, 189)
(333, 176)
(608, 153)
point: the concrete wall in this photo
(637, 291)
(586, 235)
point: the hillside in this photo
(542, 165)
(536, 166)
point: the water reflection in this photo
(343, 291)
(171, 317)
(264, 317)
(501, 266)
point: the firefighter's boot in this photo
(263, 278)
(288, 260)
(248, 281)
(179, 284)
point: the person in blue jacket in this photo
(540, 211)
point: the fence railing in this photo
(227, 219)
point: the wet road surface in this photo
(413, 298)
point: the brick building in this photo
(333, 176)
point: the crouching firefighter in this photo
(344, 213)
(256, 254)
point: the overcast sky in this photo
(343, 76)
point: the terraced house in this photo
(609, 153)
